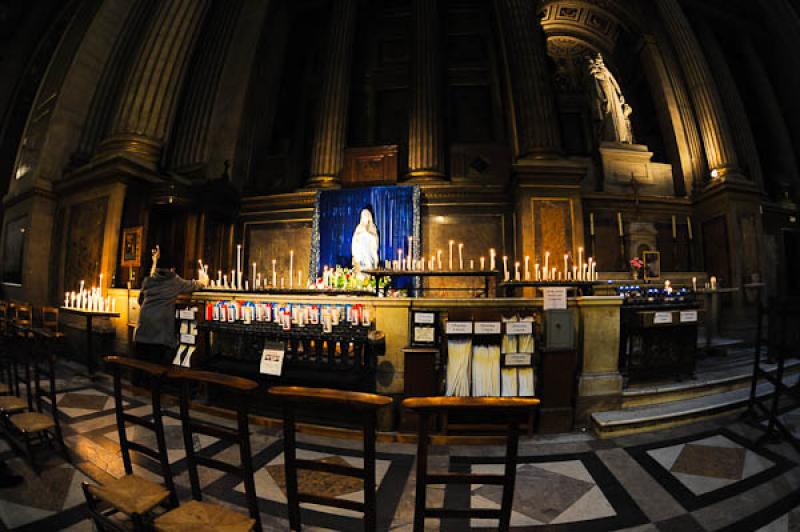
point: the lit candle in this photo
(66, 299)
(619, 224)
(483, 264)
(566, 268)
(274, 274)
(299, 278)
(450, 263)
(238, 258)
(258, 281)
(553, 274)
(472, 264)
(580, 261)
(505, 267)
(233, 280)
(689, 226)
(674, 228)
(114, 306)
(439, 259)
(546, 269)
(219, 277)
(713, 282)
(460, 255)
(527, 268)
(591, 223)
(254, 273)
(694, 284)
(516, 271)
(225, 281)
(492, 256)
(584, 271)
(291, 268)
(592, 268)
(536, 269)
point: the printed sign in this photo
(424, 317)
(488, 327)
(519, 327)
(555, 297)
(187, 314)
(518, 359)
(187, 339)
(459, 327)
(272, 360)
(424, 334)
(662, 317)
(688, 316)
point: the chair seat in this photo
(12, 403)
(197, 516)
(131, 494)
(33, 422)
(4, 388)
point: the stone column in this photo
(425, 143)
(712, 119)
(147, 105)
(535, 116)
(330, 132)
(732, 101)
(780, 137)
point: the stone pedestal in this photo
(600, 382)
(621, 162)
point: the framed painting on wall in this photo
(132, 247)
(652, 265)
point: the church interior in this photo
(551, 239)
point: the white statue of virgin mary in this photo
(365, 243)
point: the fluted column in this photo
(425, 143)
(712, 119)
(147, 105)
(535, 118)
(780, 138)
(327, 155)
(732, 100)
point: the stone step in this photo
(646, 418)
(733, 375)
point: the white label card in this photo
(688, 316)
(662, 317)
(424, 334)
(272, 360)
(459, 327)
(518, 359)
(424, 317)
(520, 327)
(188, 339)
(555, 297)
(488, 327)
(186, 314)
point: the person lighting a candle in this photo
(155, 337)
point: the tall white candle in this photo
(291, 268)
(238, 258)
(566, 267)
(439, 259)
(527, 268)
(546, 268)
(619, 224)
(450, 262)
(400, 259)
(219, 277)
(591, 223)
(254, 274)
(483, 264)
(460, 255)
(472, 264)
(516, 271)
(492, 257)
(580, 261)
(274, 274)
(694, 284)
(299, 278)
(536, 269)
(505, 267)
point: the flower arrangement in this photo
(637, 263)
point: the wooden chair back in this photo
(243, 389)
(367, 404)
(23, 319)
(154, 373)
(50, 318)
(508, 408)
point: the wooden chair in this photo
(196, 513)
(133, 495)
(22, 319)
(364, 404)
(37, 423)
(512, 409)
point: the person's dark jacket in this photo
(157, 314)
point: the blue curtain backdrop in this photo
(395, 210)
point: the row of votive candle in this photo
(578, 271)
(237, 281)
(89, 300)
(437, 263)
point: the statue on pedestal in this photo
(364, 247)
(610, 104)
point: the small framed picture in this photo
(652, 265)
(132, 247)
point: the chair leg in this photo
(291, 469)
(26, 440)
(370, 502)
(512, 447)
(422, 473)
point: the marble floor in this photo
(706, 476)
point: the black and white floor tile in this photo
(701, 477)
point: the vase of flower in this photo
(636, 267)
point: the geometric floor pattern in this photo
(700, 477)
